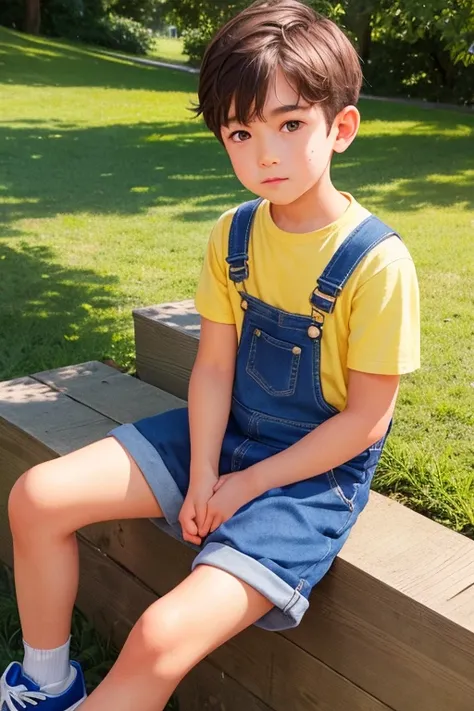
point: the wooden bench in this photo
(390, 627)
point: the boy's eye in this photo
(239, 136)
(292, 126)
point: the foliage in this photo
(92, 21)
(408, 48)
(146, 12)
(205, 15)
(195, 42)
(449, 23)
(421, 70)
(12, 14)
(119, 33)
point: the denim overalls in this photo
(283, 542)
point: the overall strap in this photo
(239, 237)
(365, 237)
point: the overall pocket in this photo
(273, 364)
(344, 489)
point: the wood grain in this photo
(401, 591)
(165, 349)
(393, 618)
(114, 597)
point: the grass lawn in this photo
(109, 188)
(108, 191)
(169, 50)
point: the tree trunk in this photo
(32, 17)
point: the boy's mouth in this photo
(273, 180)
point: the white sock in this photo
(48, 666)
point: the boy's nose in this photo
(267, 160)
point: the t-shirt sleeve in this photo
(384, 334)
(212, 296)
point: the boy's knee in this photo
(29, 503)
(157, 642)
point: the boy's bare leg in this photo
(47, 505)
(173, 635)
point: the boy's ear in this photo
(345, 127)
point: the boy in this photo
(309, 312)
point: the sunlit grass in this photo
(109, 188)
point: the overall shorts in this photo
(283, 542)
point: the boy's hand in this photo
(194, 509)
(232, 491)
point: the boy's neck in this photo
(315, 209)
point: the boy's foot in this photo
(19, 692)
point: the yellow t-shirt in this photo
(375, 324)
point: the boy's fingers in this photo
(187, 520)
(201, 512)
(205, 528)
(191, 527)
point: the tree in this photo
(143, 11)
(32, 17)
(449, 21)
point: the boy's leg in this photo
(173, 635)
(47, 505)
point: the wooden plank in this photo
(424, 561)
(106, 390)
(52, 418)
(102, 596)
(421, 576)
(208, 688)
(377, 638)
(271, 667)
(440, 574)
(375, 650)
(166, 339)
(113, 600)
(284, 675)
(108, 595)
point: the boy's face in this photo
(288, 153)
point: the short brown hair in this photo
(316, 57)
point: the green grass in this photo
(169, 50)
(108, 191)
(109, 188)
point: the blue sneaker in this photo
(18, 691)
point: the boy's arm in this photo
(210, 391)
(209, 401)
(370, 403)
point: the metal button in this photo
(244, 304)
(258, 332)
(296, 350)
(313, 331)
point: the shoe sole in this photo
(76, 706)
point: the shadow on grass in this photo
(50, 316)
(130, 169)
(48, 169)
(38, 61)
(118, 169)
(111, 170)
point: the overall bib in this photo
(283, 542)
